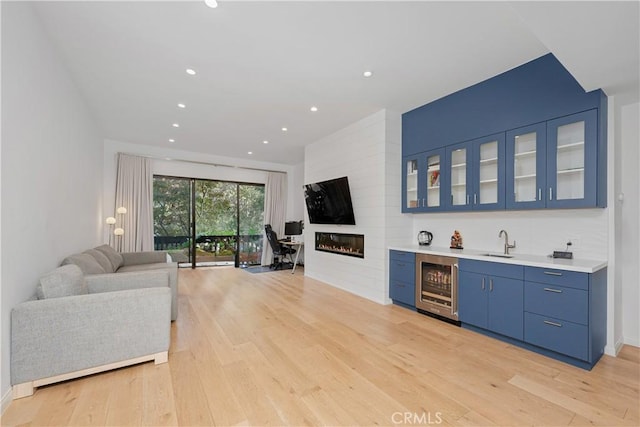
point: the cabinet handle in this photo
(399, 285)
(483, 283)
(475, 199)
(550, 193)
(467, 199)
(423, 203)
(490, 285)
(552, 273)
(539, 193)
(557, 291)
(548, 322)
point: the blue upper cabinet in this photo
(526, 162)
(537, 108)
(422, 182)
(475, 174)
(572, 161)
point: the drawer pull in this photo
(557, 291)
(548, 322)
(552, 273)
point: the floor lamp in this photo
(115, 230)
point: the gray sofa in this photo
(105, 260)
(81, 325)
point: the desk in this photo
(295, 245)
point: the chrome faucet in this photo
(507, 246)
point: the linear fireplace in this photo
(340, 243)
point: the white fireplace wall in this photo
(367, 152)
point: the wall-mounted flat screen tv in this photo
(329, 202)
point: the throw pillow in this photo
(102, 260)
(86, 262)
(62, 282)
(114, 257)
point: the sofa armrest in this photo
(98, 283)
(148, 257)
(60, 335)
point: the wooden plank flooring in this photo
(282, 349)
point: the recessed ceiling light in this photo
(249, 152)
(265, 142)
(191, 71)
(172, 140)
(314, 109)
(175, 125)
(284, 129)
(181, 105)
(211, 3)
(367, 73)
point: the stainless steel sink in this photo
(498, 255)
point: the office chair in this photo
(278, 249)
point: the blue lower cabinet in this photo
(558, 313)
(557, 335)
(402, 278)
(491, 302)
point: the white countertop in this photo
(580, 265)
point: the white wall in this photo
(630, 228)
(51, 165)
(359, 152)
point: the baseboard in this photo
(615, 349)
(6, 401)
(634, 341)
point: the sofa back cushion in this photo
(64, 281)
(114, 257)
(86, 262)
(102, 260)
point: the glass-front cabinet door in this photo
(423, 182)
(488, 169)
(434, 181)
(571, 160)
(410, 197)
(458, 174)
(526, 166)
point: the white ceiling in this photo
(262, 65)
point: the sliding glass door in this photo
(205, 223)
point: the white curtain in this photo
(275, 207)
(134, 191)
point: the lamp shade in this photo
(121, 210)
(110, 220)
(118, 231)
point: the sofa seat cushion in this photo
(147, 267)
(114, 257)
(101, 259)
(86, 262)
(64, 281)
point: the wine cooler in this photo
(437, 285)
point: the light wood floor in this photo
(282, 349)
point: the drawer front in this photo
(557, 335)
(402, 256)
(403, 292)
(557, 301)
(572, 279)
(492, 268)
(402, 271)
